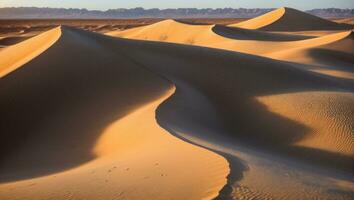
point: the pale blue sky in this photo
(107, 4)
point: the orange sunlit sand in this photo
(260, 109)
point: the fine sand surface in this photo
(196, 112)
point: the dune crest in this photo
(17, 55)
(171, 31)
(263, 20)
(289, 19)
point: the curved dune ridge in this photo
(87, 118)
(289, 19)
(172, 31)
(310, 52)
(203, 35)
(90, 146)
(246, 34)
(14, 57)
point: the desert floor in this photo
(258, 108)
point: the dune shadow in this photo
(12, 40)
(334, 58)
(236, 165)
(189, 22)
(245, 34)
(54, 108)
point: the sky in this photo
(111, 4)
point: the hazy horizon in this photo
(110, 4)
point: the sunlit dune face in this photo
(328, 115)
(17, 55)
(263, 20)
(136, 130)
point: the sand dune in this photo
(172, 31)
(285, 47)
(332, 55)
(206, 35)
(345, 21)
(13, 57)
(90, 142)
(289, 19)
(197, 112)
(294, 76)
(214, 106)
(326, 113)
(246, 34)
(240, 40)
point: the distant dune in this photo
(345, 21)
(311, 50)
(288, 19)
(258, 110)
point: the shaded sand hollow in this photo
(278, 127)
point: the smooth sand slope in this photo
(289, 19)
(70, 130)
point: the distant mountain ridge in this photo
(35, 12)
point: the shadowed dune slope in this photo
(246, 34)
(69, 119)
(289, 19)
(11, 40)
